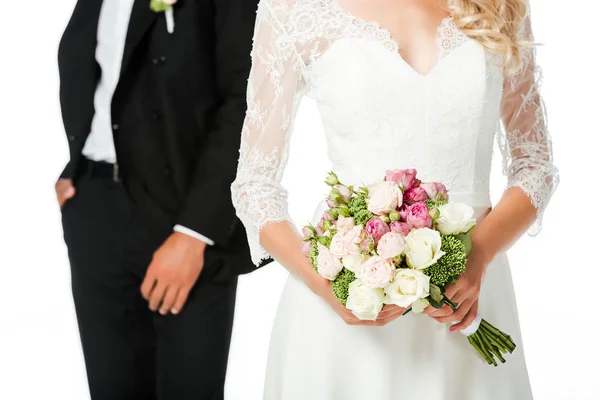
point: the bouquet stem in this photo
(491, 343)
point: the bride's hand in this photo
(389, 313)
(465, 293)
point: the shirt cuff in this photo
(194, 234)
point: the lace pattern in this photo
(449, 37)
(524, 139)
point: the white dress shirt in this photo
(112, 32)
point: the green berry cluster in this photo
(341, 285)
(451, 265)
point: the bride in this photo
(399, 84)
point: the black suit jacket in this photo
(177, 111)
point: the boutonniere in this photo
(165, 6)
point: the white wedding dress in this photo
(379, 113)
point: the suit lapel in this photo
(141, 19)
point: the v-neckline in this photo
(388, 34)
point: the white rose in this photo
(391, 245)
(408, 286)
(352, 240)
(384, 197)
(455, 218)
(344, 224)
(363, 301)
(354, 262)
(423, 248)
(328, 265)
(377, 272)
(337, 245)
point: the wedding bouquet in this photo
(399, 241)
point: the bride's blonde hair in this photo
(497, 25)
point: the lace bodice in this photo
(380, 113)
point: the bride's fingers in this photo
(390, 309)
(460, 314)
(442, 312)
(467, 320)
(460, 297)
(452, 289)
(359, 322)
(392, 312)
(387, 320)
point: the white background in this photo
(556, 274)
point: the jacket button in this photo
(156, 115)
(155, 61)
(71, 138)
(115, 127)
(167, 171)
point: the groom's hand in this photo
(64, 191)
(174, 269)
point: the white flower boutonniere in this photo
(165, 6)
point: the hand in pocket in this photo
(64, 191)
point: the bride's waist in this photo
(480, 202)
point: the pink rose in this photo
(328, 265)
(400, 227)
(403, 177)
(330, 204)
(418, 216)
(391, 245)
(319, 227)
(367, 245)
(305, 248)
(376, 228)
(415, 195)
(352, 240)
(377, 272)
(336, 246)
(344, 224)
(384, 197)
(435, 191)
(307, 232)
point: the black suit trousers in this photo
(131, 352)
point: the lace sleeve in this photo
(525, 142)
(274, 92)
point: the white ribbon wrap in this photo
(471, 329)
(170, 20)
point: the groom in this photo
(153, 104)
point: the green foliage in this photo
(314, 252)
(325, 240)
(467, 240)
(431, 204)
(436, 297)
(332, 179)
(357, 204)
(451, 265)
(362, 217)
(341, 285)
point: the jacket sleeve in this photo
(208, 209)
